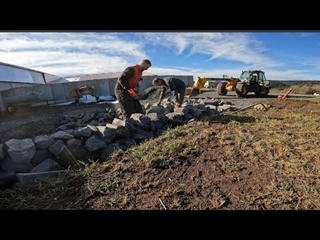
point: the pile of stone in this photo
(94, 136)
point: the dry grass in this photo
(290, 142)
(306, 89)
(300, 89)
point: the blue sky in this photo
(282, 55)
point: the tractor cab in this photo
(252, 77)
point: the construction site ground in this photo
(253, 160)
(26, 122)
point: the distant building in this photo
(100, 76)
(12, 76)
(14, 73)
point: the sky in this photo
(282, 55)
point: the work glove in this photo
(177, 104)
(159, 102)
(133, 93)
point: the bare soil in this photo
(27, 122)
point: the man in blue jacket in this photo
(175, 85)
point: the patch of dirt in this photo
(27, 122)
(218, 174)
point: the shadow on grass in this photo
(229, 118)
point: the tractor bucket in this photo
(194, 92)
(197, 86)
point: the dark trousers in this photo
(127, 104)
(182, 93)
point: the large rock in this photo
(21, 151)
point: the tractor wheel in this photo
(241, 89)
(221, 88)
(262, 92)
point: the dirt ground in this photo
(219, 173)
(202, 181)
(27, 122)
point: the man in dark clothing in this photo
(125, 89)
(175, 85)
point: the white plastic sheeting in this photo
(11, 73)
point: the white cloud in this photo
(306, 34)
(238, 47)
(63, 53)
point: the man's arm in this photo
(125, 76)
(162, 92)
